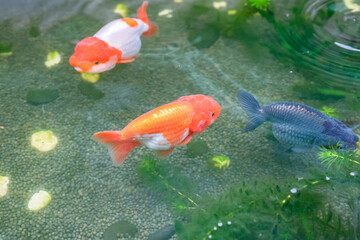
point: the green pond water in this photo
(299, 51)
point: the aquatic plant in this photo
(267, 210)
(340, 159)
(298, 209)
(173, 186)
(259, 4)
(329, 111)
(5, 49)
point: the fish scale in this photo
(162, 128)
(298, 125)
(172, 120)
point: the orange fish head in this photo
(206, 111)
(93, 55)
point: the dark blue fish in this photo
(300, 126)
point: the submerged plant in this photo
(173, 186)
(259, 4)
(341, 159)
(330, 111)
(266, 209)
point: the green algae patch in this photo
(89, 90)
(5, 49)
(120, 228)
(197, 148)
(41, 96)
(164, 233)
(34, 32)
(203, 38)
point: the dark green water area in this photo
(299, 51)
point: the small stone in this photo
(90, 77)
(44, 141)
(4, 181)
(219, 4)
(53, 58)
(39, 200)
(122, 10)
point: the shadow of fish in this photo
(300, 126)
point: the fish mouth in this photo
(78, 69)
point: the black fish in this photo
(300, 126)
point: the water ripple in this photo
(323, 37)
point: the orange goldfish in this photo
(162, 128)
(116, 42)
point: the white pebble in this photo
(4, 181)
(39, 200)
(293, 190)
(165, 12)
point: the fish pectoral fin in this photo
(187, 139)
(128, 60)
(164, 153)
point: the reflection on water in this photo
(323, 37)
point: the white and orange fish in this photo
(116, 42)
(163, 128)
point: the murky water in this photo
(300, 51)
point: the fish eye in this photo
(96, 62)
(213, 114)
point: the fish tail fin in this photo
(119, 148)
(252, 109)
(142, 15)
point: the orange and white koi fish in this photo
(116, 42)
(163, 128)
